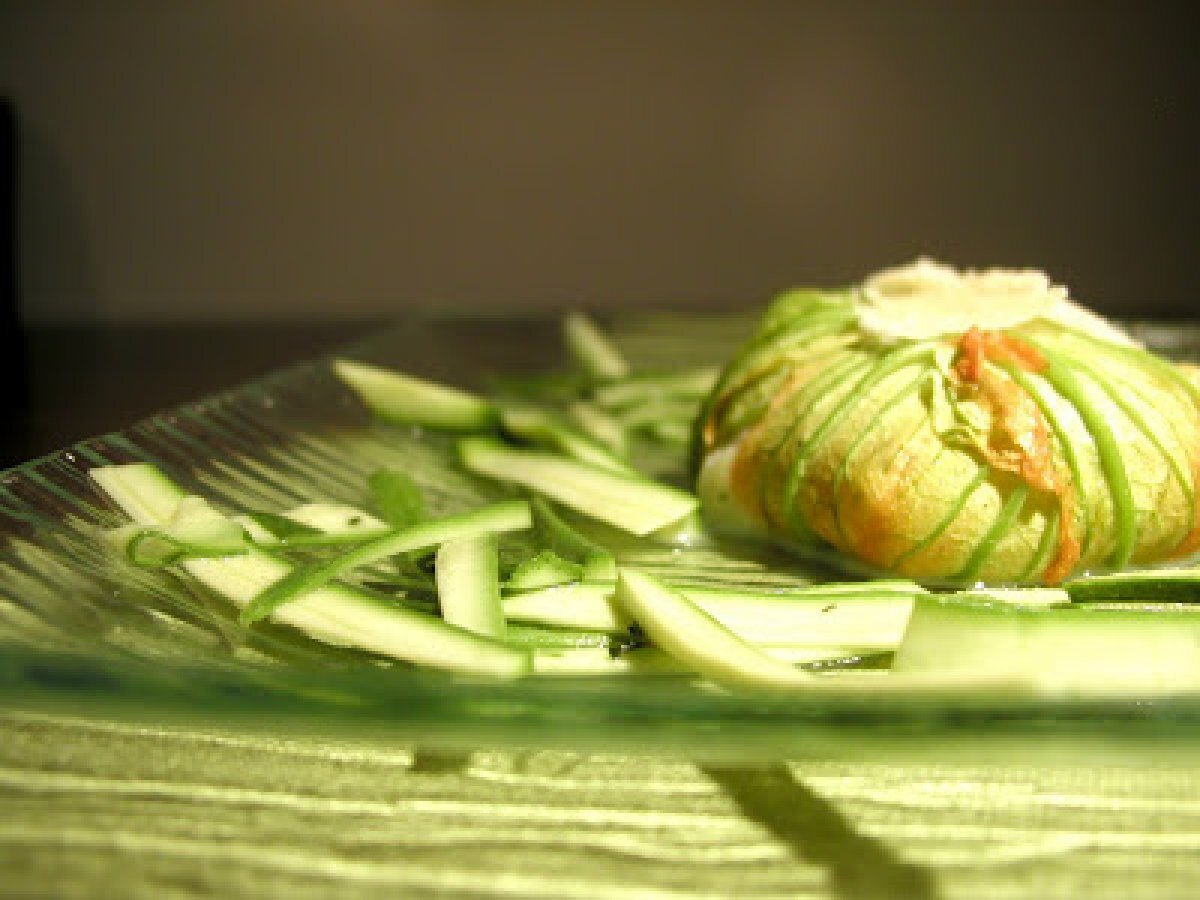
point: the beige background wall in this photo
(320, 160)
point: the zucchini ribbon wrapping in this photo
(954, 428)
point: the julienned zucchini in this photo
(596, 561)
(1075, 650)
(403, 398)
(818, 617)
(678, 626)
(194, 529)
(545, 569)
(600, 426)
(311, 525)
(699, 641)
(638, 390)
(864, 620)
(1150, 586)
(468, 585)
(334, 613)
(629, 502)
(581, 605)
(511, 515)
(592, 348)
(543, 427)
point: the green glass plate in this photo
(82, 631)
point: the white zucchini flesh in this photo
(677, 625)
(1076, 651)
(468, 585)
(699, 641)
(546, 569)
(537, 425)
(334, 520)
(837, 619)
(592, 348)
(339, 615)
(193, 529)
(600, 426)
(399, 397)
(1032, 597)
(333, 613)
(639, 390)
(582, 605)
(867, 621)
(509, 515)
(629, 502)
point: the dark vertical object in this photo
(859, 867)
(14, 388)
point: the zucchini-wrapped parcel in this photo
(953, 427)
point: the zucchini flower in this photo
(954, 428)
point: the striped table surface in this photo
(93, 807)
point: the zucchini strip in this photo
(311, 525)
(336, 614)
(1071, 651)
(509, 515)
(596, 561)
(542, 570)
(696, 639)
(398, 397)
(593, 349)
(1151, 586)
(542, 427)
(630, 502)
(601, 427)
(468, 586)
(824, 616)
(636, 390)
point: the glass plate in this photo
(82, 631)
